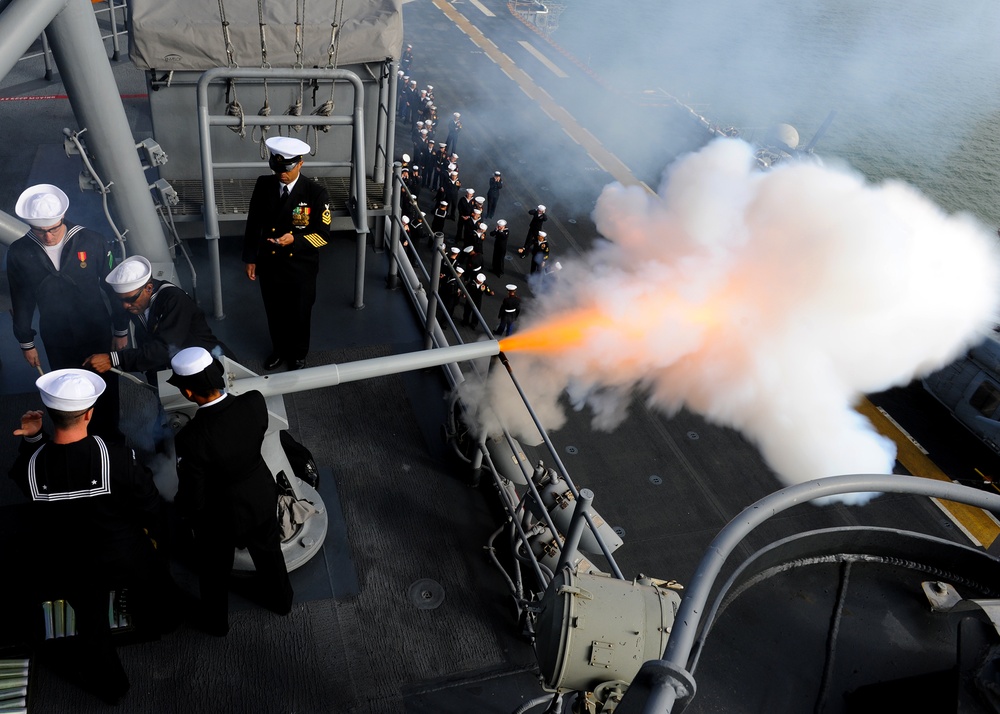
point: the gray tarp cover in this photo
(188, 35)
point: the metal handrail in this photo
(401, 260)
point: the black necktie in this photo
(284, 193)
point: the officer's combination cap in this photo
(287, 147)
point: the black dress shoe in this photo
(273, 361)
(296, 364)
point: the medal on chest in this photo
(82, 257)
(300, 215)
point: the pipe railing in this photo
(429, 296)
(669, 681)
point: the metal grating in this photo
(232, 197)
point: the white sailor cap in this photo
(452, 167)
(442, 203)
(413, 82)
(287, 146)
(196, 368)
(430, 87)
(511, 287)
(190, 360)
(459, 269)
(405, 220)
(477, 211)
(42, 205)
(130, 275)
(483, 226)
(470, 191)
(467, 249)
(70, 390)
(496, 173)
(480, 200)
(406, 158)
(453, 174)
(455, 250)
(456, 115)
(420, 123)
(542, 235)
(423, 132)
(399, 73)
(480, 278)
(541, 207)
(441, 143)
(454, 156)
(501, 223)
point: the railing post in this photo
(432, 294)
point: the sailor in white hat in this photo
(59, 268)
(93, 512)
(440, 214)
(539, 252)
(500, 235)
(288, 221)
(195, 369)
(70, 390)
(465, 205)
(454, 129)
(226, 488)
(451, 291)
(493, 193)
(538, 218)
(164, 317)
(510, 308)
(477, 290)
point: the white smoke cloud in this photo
(768, 302)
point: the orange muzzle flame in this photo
(566, 331)
(561, 332)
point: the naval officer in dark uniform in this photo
(93, 510)
(287, 223)
(226, 489)
(59, 267)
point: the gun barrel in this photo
(330, 375)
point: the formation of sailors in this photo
(431, 175)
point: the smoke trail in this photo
(768, 302)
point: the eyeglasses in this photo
(130, 299)
(49, 231)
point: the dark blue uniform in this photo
(73, 306)
(226, 489)
(287, 274)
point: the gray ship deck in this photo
(361, 637)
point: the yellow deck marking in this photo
(978, 524)
(608, 161)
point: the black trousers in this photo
(216, 550)
(288, 303)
